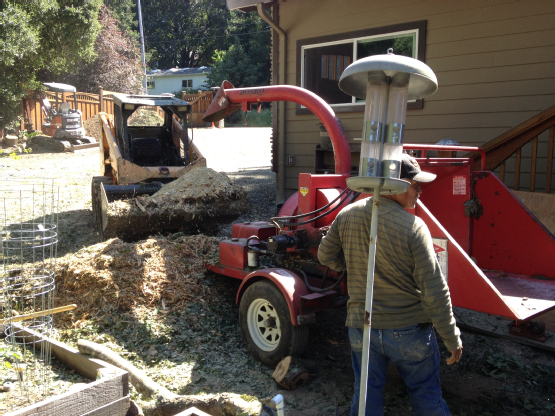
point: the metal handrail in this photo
(426, 147)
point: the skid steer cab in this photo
(147, 145)
(491, 262)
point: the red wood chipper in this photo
(502, 263)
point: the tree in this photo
(232, 65)
(185, 34)
(125, 12)
(117, 66)
(247, 62)
(40, 34)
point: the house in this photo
(175, 79)
(494, 60)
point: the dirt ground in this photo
(200, 350)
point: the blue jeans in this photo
(414, 351)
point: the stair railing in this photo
(511, 143)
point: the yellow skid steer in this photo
(145, 147)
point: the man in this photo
(410, 295)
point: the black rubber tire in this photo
(293, 340)
(96, 202)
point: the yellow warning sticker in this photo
(303, 191)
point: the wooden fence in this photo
(89, 104)
(199, 103)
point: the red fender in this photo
(291, 285)
(290, 206)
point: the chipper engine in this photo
(491, 264)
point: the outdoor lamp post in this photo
(387, 82)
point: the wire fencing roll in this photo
(28, 250)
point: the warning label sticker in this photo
(303, 191)
(440, 248)
(282, 272)
(459, 185)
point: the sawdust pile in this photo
(201, 192)
(200, 184)
(115, 275)
(93, 128)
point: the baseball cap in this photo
(410, 169)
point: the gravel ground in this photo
(495, 377)
(245, 155)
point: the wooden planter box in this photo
(108, 396)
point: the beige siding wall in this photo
(495, 63)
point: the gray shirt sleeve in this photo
(435, 296)
(330, 251)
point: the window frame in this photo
(189, 80)
(150, 85)
(309, 43)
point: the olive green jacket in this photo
(409, 287)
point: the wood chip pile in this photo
(158, 272)
(92, 126)
(201, 184)
(200, 196)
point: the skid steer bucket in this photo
(141, 223)
(501, 262)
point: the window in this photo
(150, 85)
(187, 83)
(321, 61)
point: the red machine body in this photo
(502, 263)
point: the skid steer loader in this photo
(138, 154)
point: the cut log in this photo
(291, 373)
(167, 403)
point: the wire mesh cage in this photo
(28, 243)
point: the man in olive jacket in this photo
(410, 296)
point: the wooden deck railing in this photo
(510, 144)
(89, 104)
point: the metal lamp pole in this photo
(142, 44)
(386, 82)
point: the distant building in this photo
(176, 79)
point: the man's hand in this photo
(455, 356)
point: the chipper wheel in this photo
(266, 324)
(97, 202)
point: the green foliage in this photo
(254, 119)
(246, 63)
(188, 91)
(232, 65)
(42, 34)
(192, 34)
(184, 34)
(117, 66)
(402, 45)
(125, 12)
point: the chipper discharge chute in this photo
(149, 172)
(502, 263)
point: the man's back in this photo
(408, 286)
